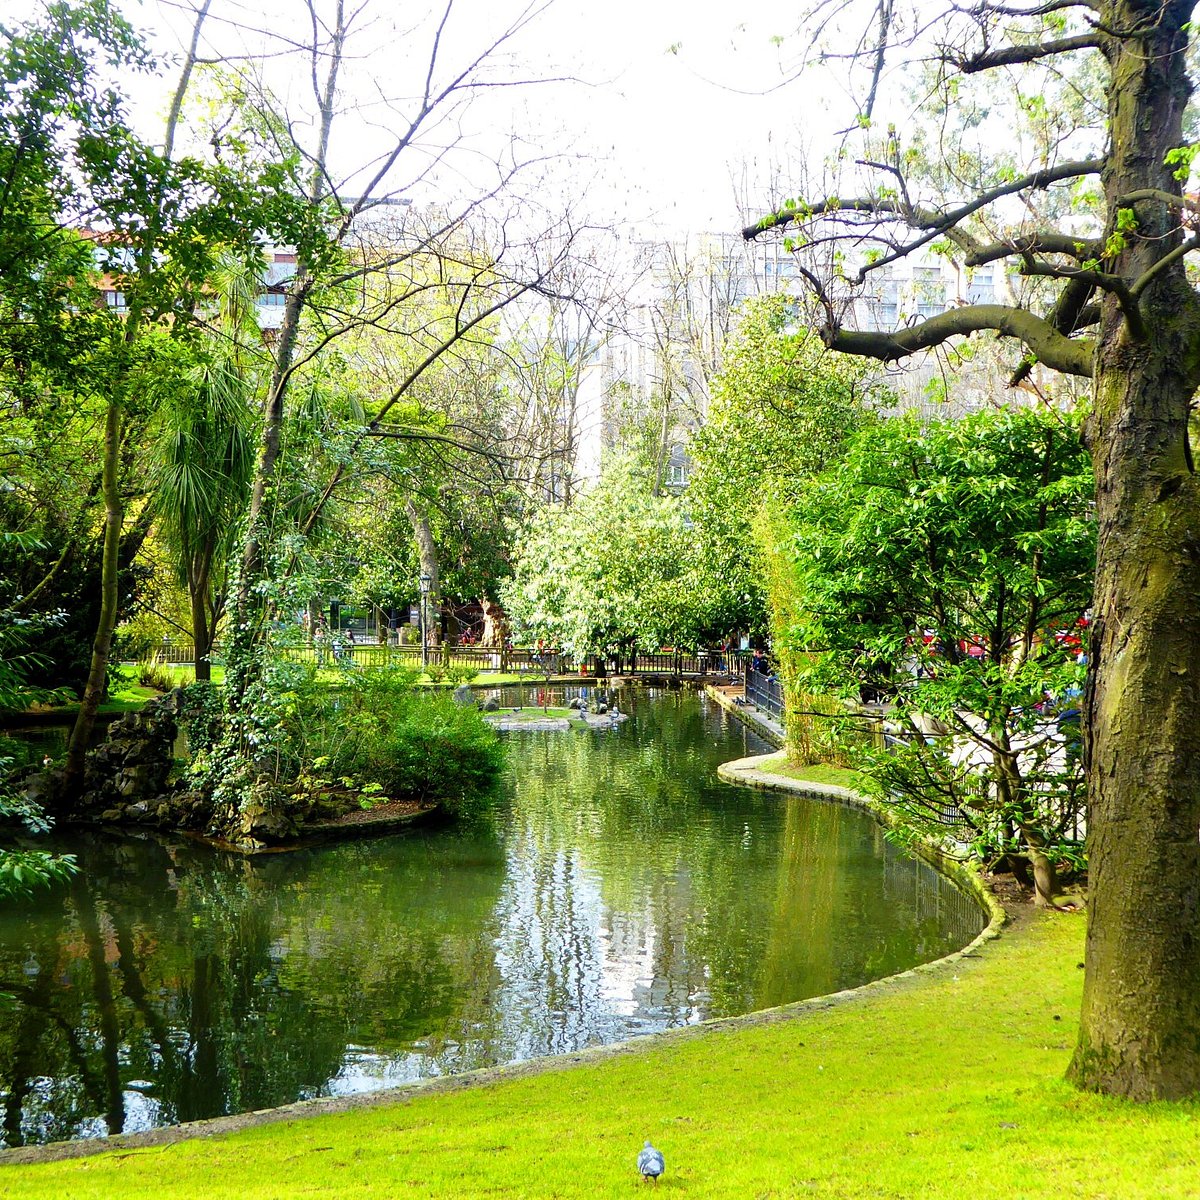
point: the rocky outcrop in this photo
(127, 777)
(133, 763)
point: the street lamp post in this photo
(426, 582)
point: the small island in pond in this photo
(577, 715)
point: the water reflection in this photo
(618, 889)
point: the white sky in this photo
(666, 141)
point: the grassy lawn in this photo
(127, 695)
(777, 764)
(937, 1086)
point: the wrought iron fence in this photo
(765, 692)
(516, 660)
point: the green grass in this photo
(777, 764)
(126, 696)
(186, 673)
(945, 1085)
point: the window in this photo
(883, 305)
(676, 472)
(273, 299)
(930, 288)
(116, 301)
(981, 286)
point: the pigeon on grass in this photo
(650, 1163)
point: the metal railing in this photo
(764, 692)
(515, 660)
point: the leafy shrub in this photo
(433, 749)
(23, 871)
(376, 737)
(200, 715)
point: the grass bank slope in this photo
(944, 1085)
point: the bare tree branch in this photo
(932, 221)
(1010, 56)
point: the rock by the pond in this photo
(491, 704)
(131, 765)
(464, 696)
(605, 720)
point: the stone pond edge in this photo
(742, 771)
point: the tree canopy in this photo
(614, 570)
(781, 410)
(945, 569)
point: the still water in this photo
(616, 888)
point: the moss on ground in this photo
(777, 764)
(939, 1085)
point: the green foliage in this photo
(200, 716)
(943, 569)
(781, 409)
(435, 749)
(810, 735)
(152, 673)
(624, 566)
(22, 870)
(615, 569)
(19, 660)
(373, 736)
(1182, 158)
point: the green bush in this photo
(24, 871)
(153, 673)
(432, 749)
(382, 737)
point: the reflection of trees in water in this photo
(227, 985)
(649, 901)
(696, 900)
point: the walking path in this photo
(732, 698)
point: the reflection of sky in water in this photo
(621, 889)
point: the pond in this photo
(616, 888)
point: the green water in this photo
(616, 889)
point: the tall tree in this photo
(1099, 218)
(370, 256)
(108, 244)
(781, 410)
(945, 566)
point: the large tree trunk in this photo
(428, 556)
(1140, 1030)
(495, 624)
(114, 516)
